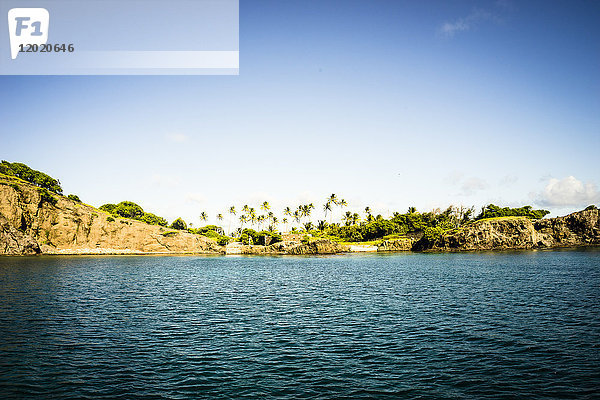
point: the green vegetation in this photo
(591, 207)
(213, 232)
(260, 226)
(179, 224)
(129, 209)
(265, 238)
(493, 211)
(37, 178)
(46, 197)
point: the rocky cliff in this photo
(581, 228)
(31, 222)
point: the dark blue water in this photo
(477, 325)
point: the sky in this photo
(387, 104)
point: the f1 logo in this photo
(27, 26)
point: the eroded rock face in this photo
(581, 228)
(320, 246)
(402, 244)
(29, 225)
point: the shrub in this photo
(250, 236)
(74, 197)
(128, 209)
(179, 224)
(110, 219)
(591, 207)
(493, 211)
(152, 219)
(46, 197)
(30, 175)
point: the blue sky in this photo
(388, 104)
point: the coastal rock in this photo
(402, 244)
(319, 246)
(15, 242)
(581, 228)
(31, 224)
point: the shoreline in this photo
(272, 254)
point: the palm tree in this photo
(252, 216)
(333, 199)
(347, 218)
(368, 212)
(220, 217)
(355, 218)
(232, 212)
(327, 208)
(321, 225)
(260, 219)
(265, 206)
(273, 224)
(412, 210)
(308, 226)
(203, 216)
(342, 203)
(285, 221)
(287, 212)
(243, 220)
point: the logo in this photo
(27, 26)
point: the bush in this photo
(46, 197)
(179, 224)
(33, 176)
(250, 236)
(74, 197)
(110, 219)
(152, 219)
(591, 207)
(493, 211)
(128, 209)
(109, 208)
(208, 229)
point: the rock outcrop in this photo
(581, 228)
(402, 244)
(33, 223)
(319, 246)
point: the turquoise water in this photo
(439, 326)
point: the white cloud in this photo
(568, 191)
(176, 137)
(509, 180)
(475, 18)
(195, 198)
(472, 185)
(165, 180)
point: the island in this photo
(36, 218)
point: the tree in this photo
(368, 213)
(179, 224)
(243, 220)
(412, 210)
(128, 209)
(265, 206)
(74, 198)
(285, 221)
(232, 212)
(203, 216)
(327, 208)
(220, 217)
